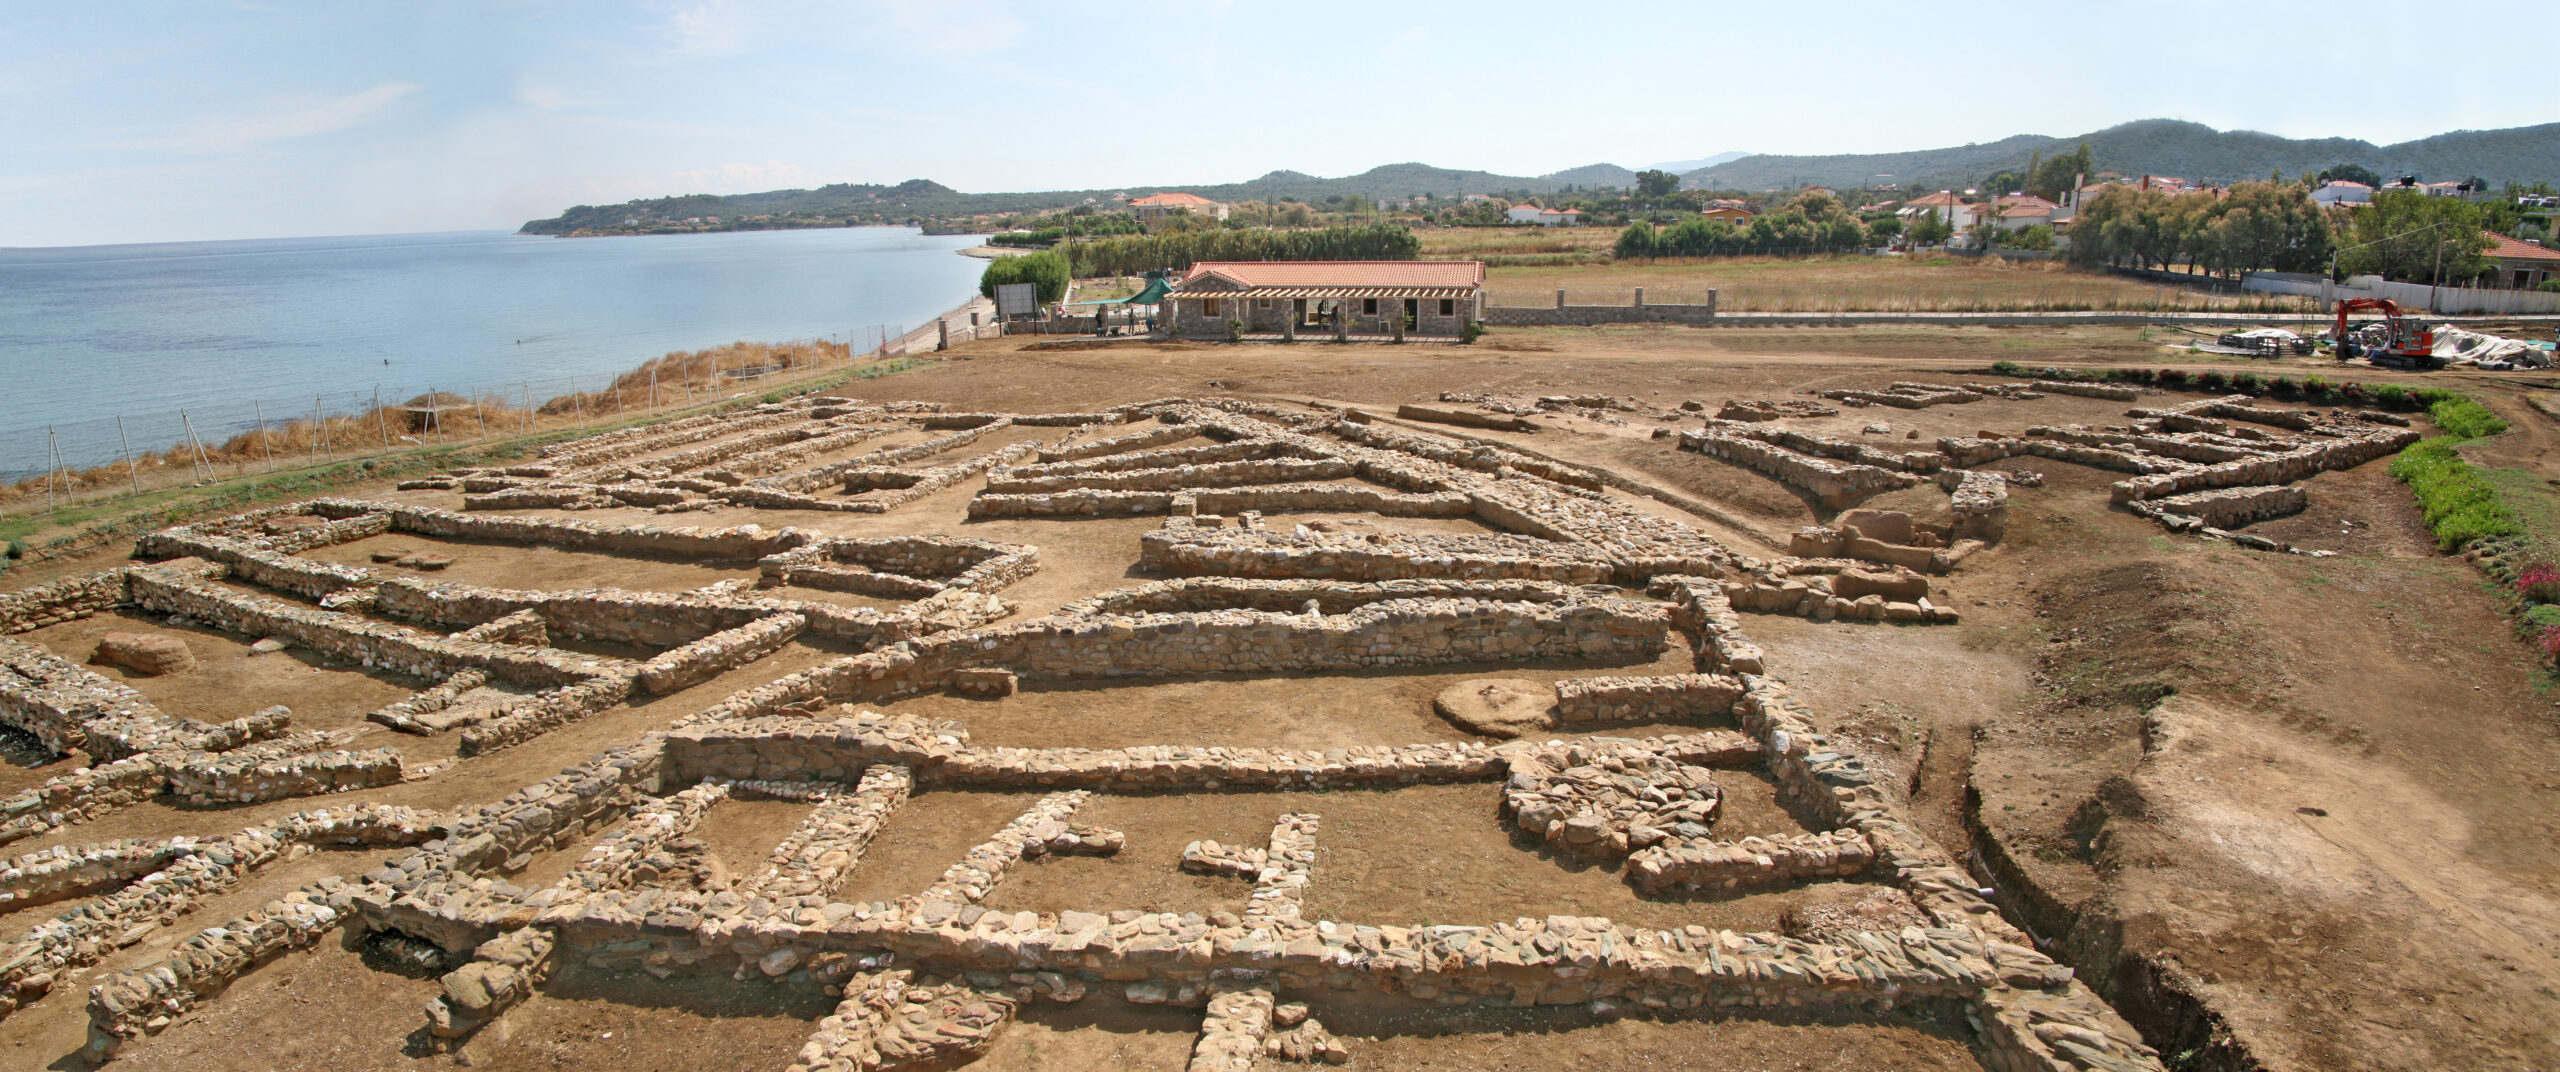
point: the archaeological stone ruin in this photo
(886, 572)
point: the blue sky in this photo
(133, 121)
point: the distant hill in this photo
(2161, 147)
(1683, 167)
(1594, 175)
(921, 199)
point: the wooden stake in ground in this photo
(201, 464)
(577, 401)
(132, 469)
(53, 464)
(381, 423)
(653, 387)
(528, 405)
(263, 446)
(320, 429)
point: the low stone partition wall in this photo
(79, 796)
(614, 863)
(1273, 498)
(351, 638)
(2191, 447)
(68, 600)
(2282, 468)
(825, 847)
(131, 1005)
(1701, 608)
(1211, 475)
(719, 653)
(1906, 396)
(278, 770)
(974, 875)
(54, 700)
(2223, 508)
(1212, 453)
(1703, 864)
(1204, 594)
(1920, 461)
(1466, 452)
(1835, 484)
(1669, 698)
(66, 871)
(1184, 548)
(773, 460)
(2086, 390)
(1972, 451)
(902, 567)
(99, 928)
(604, 447)
(1152, 437)
(501, 974)
(523, 720)
(1465, 418)
(1980, 501)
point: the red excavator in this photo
(2397, 341)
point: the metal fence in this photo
(71, 462)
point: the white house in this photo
(1529, 212)
(2343, 192)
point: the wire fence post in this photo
(653, 386)
(318, 430)
(528, 406)
(263, 446)
(132, 469)
(53, 464)
(381, 421)
(201, 463)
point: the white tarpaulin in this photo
(2456, 345)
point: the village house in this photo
(1946, 206)
(1322, 298)
(2020, 211)
(1529, 212)
(2521, 265)
(1737, 213)
(2343, 192)
(1158, 206)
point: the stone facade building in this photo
(1328, 298)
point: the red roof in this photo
(1942, 197)
(2509, 249)
(1176, 199)
(1342, 273)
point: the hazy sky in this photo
(129, 121)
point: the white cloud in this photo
(281, 119)
(710, 28)
(948, 29)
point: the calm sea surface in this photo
(144, 331)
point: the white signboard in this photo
(1017, 299)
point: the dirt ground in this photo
(2286, 812)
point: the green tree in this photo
(1817, 206)
(2350, 173)
(1048, 270)
(2411, 237)
(1657, 183)
(1636, 241)
(1930, 229)
(2053, 178)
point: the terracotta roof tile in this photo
(1174, 199)
(1342, 273)
(2509, 249)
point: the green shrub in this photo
(17, 548)
(2212, 381)
(2391, 394)
(2246, 383)
(2542, 616)
(2008, 368)
(2462, 417)
(2458, 503)
(1048, 270)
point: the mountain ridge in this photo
(2146, 146)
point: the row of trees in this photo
(1138, 253)
(1048, 270)
(1779, 232)
(2275, 226)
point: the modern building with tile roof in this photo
(1158, 206)
(2521, 265)
(1430, 298)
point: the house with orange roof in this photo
(2521, 265)
(1158, 206)
(1290, 298)
(1529, 212)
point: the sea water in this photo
(232, 332)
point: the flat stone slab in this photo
(148, 654)
(1497, 706)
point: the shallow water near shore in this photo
(143, 331)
